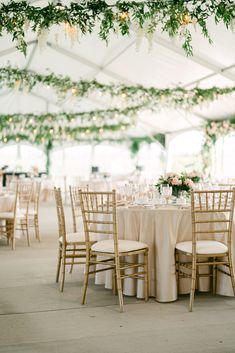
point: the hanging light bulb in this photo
(74, 91)
(123, 16)
(101, 130)
(5, 139)
(94, 118)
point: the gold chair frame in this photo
(205, 208)
(8, 224)
(70, 252)
(95, 207)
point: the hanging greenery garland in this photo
(173, 17)
(177, 97)
(56, 127)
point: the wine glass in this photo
(167, 192)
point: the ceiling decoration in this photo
(128, 95)
(177, 18)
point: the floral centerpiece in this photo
(179, 182)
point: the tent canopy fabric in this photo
(166, 65)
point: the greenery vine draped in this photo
(174, 17)
(60, 126)
(177, 97)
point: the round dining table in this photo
(160, 228)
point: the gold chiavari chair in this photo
(25, 190)
(99, 217)
(72, 246)
(8, 221)
(212, 218)
(34, 209)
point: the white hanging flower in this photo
(42, 38)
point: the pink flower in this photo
(176, 181)
(189, 182)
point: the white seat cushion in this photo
(76, 238)
(6, 215)
(123, 246)
(22, 213)
(32, 212)
(203, 247)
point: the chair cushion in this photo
(75, 238)
(22, 213)
(123, 246)
(203, 247)
(6, 215)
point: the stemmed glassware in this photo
(166, 192)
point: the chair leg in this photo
(177, 270)
(12, 234)
(193, 285)
(214, 276)
(231, 272)
(27, 232)
(58, 266)
(71, 268)
(119, 283)
(36, 227)
(114, 282)
(63, 259)
(86, 277)
(146, 277)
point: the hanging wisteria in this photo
(175, 18)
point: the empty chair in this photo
(72, 246)
(25, 190)
(8, 221)
(211, 244)
(99, 218)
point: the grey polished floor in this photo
(36, 318)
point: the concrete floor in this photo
(36, 318)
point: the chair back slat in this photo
(99, 215)
(25, 190)
(75, 204)
(212, 215)
(60, 213)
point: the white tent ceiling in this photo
(166, 65)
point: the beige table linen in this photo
(161, 229)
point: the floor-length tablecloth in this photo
(161, 229)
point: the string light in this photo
(123, 16)
(74, 91)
